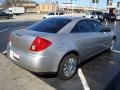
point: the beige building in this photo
(42, 8)
(30, 7)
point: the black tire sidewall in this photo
(61, 67)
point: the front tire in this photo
(110, 49)
(68, 67)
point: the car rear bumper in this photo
(33, 63)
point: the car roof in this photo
(69, 26)
(70, 17)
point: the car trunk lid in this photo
(21, 40)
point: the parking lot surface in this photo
(101, 72)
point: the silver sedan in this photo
(59, 44)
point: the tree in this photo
(14, 3)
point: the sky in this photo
(101, 5)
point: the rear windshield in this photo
(96, 13)
(51, 25)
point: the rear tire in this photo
(68, 67)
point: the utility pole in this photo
(95, 5)
(90, 3)
(72, 7)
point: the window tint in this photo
(51, 25)
(82, 26)
(10, 10)
(50, 13)
(118, 15)
(75, 29)
(61, 13)
(96, 26)
(112, 14)
(106, 14)
(100, 13)
(93, 13)
(96, 13)
(2, 13)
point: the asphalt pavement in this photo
(101, 72)
(7, 27)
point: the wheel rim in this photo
(70, 67)
(112, 44)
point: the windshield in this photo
(50, 13)
(51, 25)
(96, 13)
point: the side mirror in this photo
(106, 30)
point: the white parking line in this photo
(83, 80)
(116, 51)
(4, 30)
(4, 52)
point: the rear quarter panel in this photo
(61, 45)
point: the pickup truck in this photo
(94, 14)
(5, 15)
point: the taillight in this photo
(40, 44)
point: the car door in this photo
(102, 38)
(86, 41)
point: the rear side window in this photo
(82, 27)
(51, 25)
(118, 14)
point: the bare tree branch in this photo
(14, 3)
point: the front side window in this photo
(82, 27)
(96, 26)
